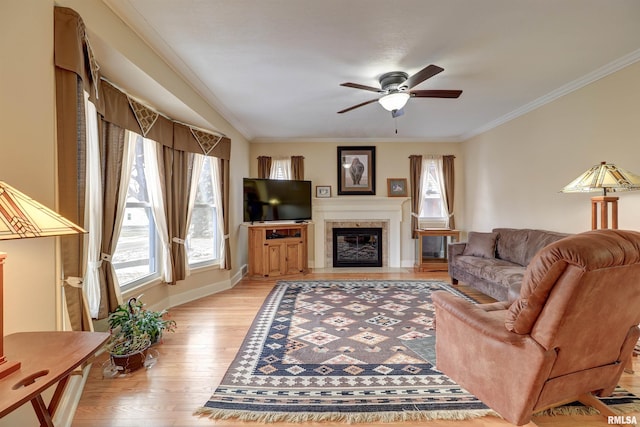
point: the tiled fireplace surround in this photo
(357, 212)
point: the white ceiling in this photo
(273, 68)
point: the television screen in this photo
(276, 200)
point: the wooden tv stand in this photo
(277, 250)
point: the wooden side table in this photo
(436, 260)
(46, 358)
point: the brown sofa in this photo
(494, 263)
(567, 337)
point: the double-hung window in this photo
(137, 253)
(280, 169)
(204, 239)
(433, 212)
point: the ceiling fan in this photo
(395, 88)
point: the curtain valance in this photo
(195, 140)
(73, 53)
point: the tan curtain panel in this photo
(182, 171)
(224, 187)
(297, 167)
(448, 171)
(415, 172)
(71, 192)
(264, 166)
(72, 76)
(112, 141)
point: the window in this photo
(280, 169)
(204, 237)
(136, 255)
(433, 213)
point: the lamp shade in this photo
(21, 217)
(394, 101)
(605, 177)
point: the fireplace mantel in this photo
(358, 208)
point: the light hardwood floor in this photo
(193, 360)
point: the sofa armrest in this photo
(455, 249)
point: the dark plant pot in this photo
(130, 362)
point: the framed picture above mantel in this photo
(357, 170)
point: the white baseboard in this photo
(407, 263)
(198, 293)
(204, 291)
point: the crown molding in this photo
(350, 140)
(583, 81)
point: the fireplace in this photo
(357, 247)
(361, 212)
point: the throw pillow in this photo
(481, 245)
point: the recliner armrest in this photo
(478, 316)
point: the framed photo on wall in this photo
(356, 170)
(397, 187)
(323, 191)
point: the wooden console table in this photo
(46, 358)
(434, 263)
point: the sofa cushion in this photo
(538, 239)
(481, 245)
(494, 270)
(511, 244)
(520, 245)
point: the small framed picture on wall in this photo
(323, 191)
(397, 187)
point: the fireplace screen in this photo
(357, 247)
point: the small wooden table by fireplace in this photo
(432, 248)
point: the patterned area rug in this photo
(324, 350)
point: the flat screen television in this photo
(276, 200)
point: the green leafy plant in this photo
(134, 328)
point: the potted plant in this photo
(133, 330)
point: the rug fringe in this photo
(621, 409)
(367, 417)
(350, 418)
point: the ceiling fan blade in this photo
(359, 86)
(362, 104)
(435, 93)
(422, 75)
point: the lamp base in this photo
(603, 202)
(8, 368)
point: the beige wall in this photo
(514, 172)
(392, 161)
(27, 120)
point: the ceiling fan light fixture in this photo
(394, 101)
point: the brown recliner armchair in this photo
(565, 339)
